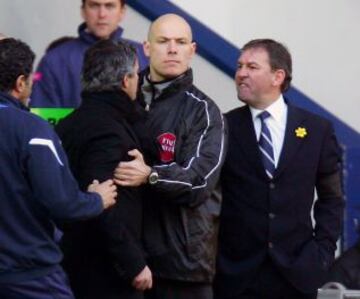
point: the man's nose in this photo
(102, 11)
(172, 46)
(241, 72)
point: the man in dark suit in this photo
(103, 256)
(278, 156)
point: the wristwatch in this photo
(153, 177)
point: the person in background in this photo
(181, 211)
(57, 42)
(37, 188)
(278, 156)
(104, 257)
(58, 74)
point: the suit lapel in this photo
(247, 138)
(295, 119)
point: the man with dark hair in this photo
(58, 74)
(36, 188)
(180, 212)
(104, 257)
(279, 58)
(278, 156)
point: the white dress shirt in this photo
(276, 123)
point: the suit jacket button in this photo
(271, 245)
(272, 215)
(272, 186)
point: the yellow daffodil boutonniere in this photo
(300, 132)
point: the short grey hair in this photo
(106, 63)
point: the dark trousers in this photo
(52, 286)
(269, 283)
(170, 289)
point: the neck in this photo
(17, 96)
(266, 102)
(153, 78)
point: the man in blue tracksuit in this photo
(57, 81)
(37, 188)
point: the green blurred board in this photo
(52, 115)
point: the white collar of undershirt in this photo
(276, 110)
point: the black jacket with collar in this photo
(180, 209)
(101, 253)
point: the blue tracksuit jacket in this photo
(36, 190)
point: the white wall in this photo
(37, 22)
(322, 36)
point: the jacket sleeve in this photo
(329, 207)
(103, 152)
(50, 178)
(46, 92)
(192, 178)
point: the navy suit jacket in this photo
(263, 218)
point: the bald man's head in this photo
(170, 20)
(169, 47)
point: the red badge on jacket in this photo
(167, 147)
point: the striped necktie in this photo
(266, 146)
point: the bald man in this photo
(188, 135)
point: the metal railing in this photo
(335, 290)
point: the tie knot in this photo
(264, 115)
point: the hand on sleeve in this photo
(133, 173)
(107, 191)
